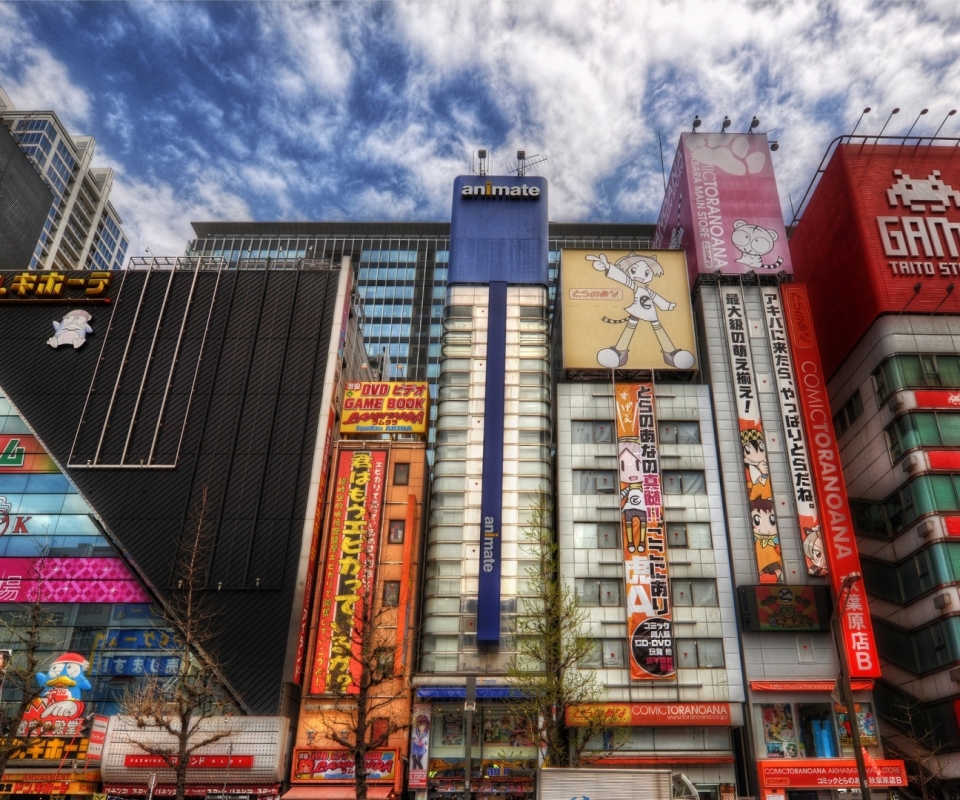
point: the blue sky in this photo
(368, 110)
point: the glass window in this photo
(401, 474)
(395, 531)
(698, 592)
(595, 481)
(391, 594)
(670, 432)
(599, 592)
(684, 481)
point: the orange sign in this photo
(806, 686)
(657, 715)
(837, 773)
(385, 407)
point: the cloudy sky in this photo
(368, 110)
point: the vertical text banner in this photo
(753, 446)
(842, 555)
(649, 617)
(798, 452)
(348, 578)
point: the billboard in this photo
(649, 616)
(890, 215)
(753, 443)
(626, 310)
(385, 407)
(349, 571)
(722, 206)
(842, 556)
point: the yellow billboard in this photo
(626, 310)
(385, 407)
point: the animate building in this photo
(883, 222)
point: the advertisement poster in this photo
(349, 570)
(419, 746)
(753, 445)
(779, 732)
(626, 310)
(795, 440)
(321, 766)
(649, 617)
(385, 407)
(868, 726)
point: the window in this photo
(684, 481)
(690, 535)
(395, 531)
(905, 370)
(694, 592)
(592, 432)
(595, 481)
(599, 591)
(923, 429)
(391, 594)
(670, 432)
(593, 535)
(850, 410)
(606, 653)
(401, 474)
(379, 731)
(705, 653)
(382, 663)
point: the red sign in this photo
(98, 735)
(857, 630)
(885, 218)
(349, 571)
(806, 686)
(192, 790)
(937, 398)
(194, 762)
(655, 715)
(334, 766)
(817, 773)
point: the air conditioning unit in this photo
(912, 463)
(927, 528)
(941, 601)
(898, 402)
(955, 674)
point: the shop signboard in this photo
(385, 407)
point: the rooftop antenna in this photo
(525, 162)
(481, 162)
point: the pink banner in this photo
(722, 206)
(68, 580)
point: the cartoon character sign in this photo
(632, 503)
(814, 551)
(72, 329)
(754, 242)
(419, 742)
(636, 272)
(755, 464)
(59, 708)
(766, 540)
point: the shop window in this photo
(401, 474)
(685, 432)
(816, 731)
(779, 731)
(391, 594)
(395, 531)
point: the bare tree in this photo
(178, 704)
(25, 641)
(368, 701)
(547, 670)
(918, 744)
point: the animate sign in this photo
(490, 189)
(385, 407)
(924, 233)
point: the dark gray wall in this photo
(244, 417)
(24, 203)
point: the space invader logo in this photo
(918, 195)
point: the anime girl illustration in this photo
(636, 272)
(633, 507)
(419, 741)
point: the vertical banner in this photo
(419, 746)
(348, 580)
(842, 555)
(763, 515)
(491, 490)
(649, 618)
(808, 517)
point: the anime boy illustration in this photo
(636, 272)
(633, 507)
(755, 462)
(766, 540)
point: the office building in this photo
(82, 229)
(877, 247)
(24, 203)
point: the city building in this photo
(884, 215)
(82, 229)
(24, 203)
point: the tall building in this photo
(877, 247)
(82, 229)
(24, 202)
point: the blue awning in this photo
(460, 692)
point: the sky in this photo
(367, 111)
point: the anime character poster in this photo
(779, 731)
(626, 310)
(419, 746)
(868, 726)
(722, 206)
(795, 440)
(753, 446)
(649, 617)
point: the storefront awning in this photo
(343, 791)
(460, 693)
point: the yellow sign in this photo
(385, 407)
(626, 310)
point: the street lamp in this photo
(844, 680)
